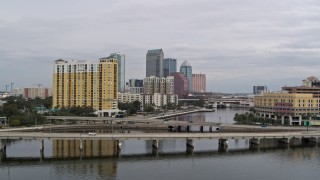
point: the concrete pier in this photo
(201, 128)
(80, 145)
(188, 128)
(309, 140)
(155, 152)
(223, 143)
(41, 155)
(179, 128)
(3, 145)
(223, 146)
(190, 150)
(41, 145)
(295, 141)
(283, 140)
(3, 155)
(119, 144)
(189, 143)
(155, 144)
(255, 141)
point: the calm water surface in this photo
(137, 160)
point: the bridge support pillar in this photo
(80, 145)
(41, 155)
(155, 152)
(155, 144)
(3, 150)
(201, 128)
(295, 141)
(190, 143)
(254, 144)
(3, 156)
(223, 143)
(188, 129)
(41, 145)
(310, 140)
(119, 144)
(190, 150)
(255, 141)
(3, 146)
(283, 140)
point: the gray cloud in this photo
(236, 43)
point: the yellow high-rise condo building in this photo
(83, 83)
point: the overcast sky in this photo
(236, 43)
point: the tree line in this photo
(19, 111)
(251, 119)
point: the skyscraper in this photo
(154, 63)
(169, 66)
(186, 69)
(83, 83)
(259, 89)
(121, 70)
(135, 82)
(135, 86)
(199, 82)
(181, 85)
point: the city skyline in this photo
(237, 45)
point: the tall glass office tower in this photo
(169, 66)
(186, 69)
(154, 63)
(121, 70)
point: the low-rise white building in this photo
(158, 100)
(128, 97)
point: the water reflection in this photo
(100, 161)
(90, 148)
(196, 117)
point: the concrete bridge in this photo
(255, 139)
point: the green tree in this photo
(149, 108)
(199, 103)
(10, 110)
(131, 108)
(15, 120)
(136, 105)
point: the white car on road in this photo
(92, 133)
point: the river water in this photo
(137, 159)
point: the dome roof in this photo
(312, 78)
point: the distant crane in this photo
(38, 84)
